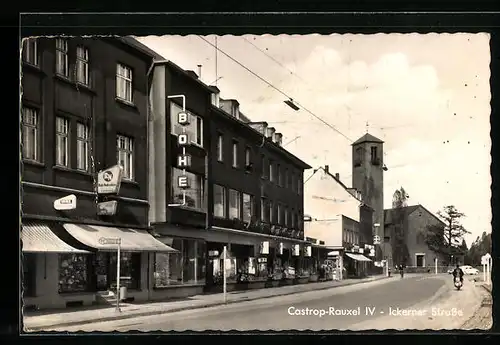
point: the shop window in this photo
(186, 267)
(73, 273)
(29, 274)
(130, 269)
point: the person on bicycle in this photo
(458, 272)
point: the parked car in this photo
(469, 270)
(450, 270)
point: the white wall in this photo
(326, 200)
(157, 147)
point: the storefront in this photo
(357, 265)
(69, 264)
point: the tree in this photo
(400, 253)
(448, 238)
(479, 247)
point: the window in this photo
(287, 179)
(235, 154)
(73, 274)
(185, 267)
(374, 153)
(280, 216)
(220, 147)
(285, 221)
(280, 177)
(234, 204)
(125, 150)
(271, 171)
(194, 129)
(82, 147)
(294, 219)
(30, 51)
(247, 157)
(271, 212)
(30, 134)
(215, 99)
(195, 194)
(299, 185)
(263, 210)
(62, 141)
(293, 182)
(124, 83)
(359, 157)
(264, 167)
(82, 65)
(248, 208)
(62, 65)
(219, 201)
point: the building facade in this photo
(414, 223)
(368, 178)
(84, 110)
(229, 201)
(336, 213)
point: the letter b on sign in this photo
(183, 119)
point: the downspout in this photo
(148, 119)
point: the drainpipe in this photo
(148, 119)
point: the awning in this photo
(38, 238)
(357, 257)
(132, 240)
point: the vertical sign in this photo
(183, 160)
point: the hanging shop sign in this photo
(280, 248)
(107, 208)
(109, 180)
(264, 248)
(213, 253)
(361, 250)
(296, 250)
(66, 203)
(183, 160)
(308, 251)
(372, 252)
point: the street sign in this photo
(66, 203)
(107, 240)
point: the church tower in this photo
(368, 176)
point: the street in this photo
(355, 307)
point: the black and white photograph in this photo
(256, 182)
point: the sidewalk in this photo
(38, 321)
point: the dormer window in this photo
(215, 100)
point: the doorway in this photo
(420, 260)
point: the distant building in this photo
(414, 223)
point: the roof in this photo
(224, 114)
(159, 60)
(389, 213)
(367, 138)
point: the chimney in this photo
(270, 132)
(199, 71)
(337, 176)
(278, 138)
(263, 129)
(327, 169)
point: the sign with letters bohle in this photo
(183, 160)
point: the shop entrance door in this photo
(102, 271)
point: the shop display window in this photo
(261, 268)
(73, 273)
(185, 267)
(130, 269)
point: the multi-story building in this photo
(243, 190)
(84, 109)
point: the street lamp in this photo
(291, 104)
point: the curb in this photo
(485, 301)
(175, 310)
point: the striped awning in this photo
(38, 238)
(131, 240)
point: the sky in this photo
(427, 96)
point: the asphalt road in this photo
(305, 311)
